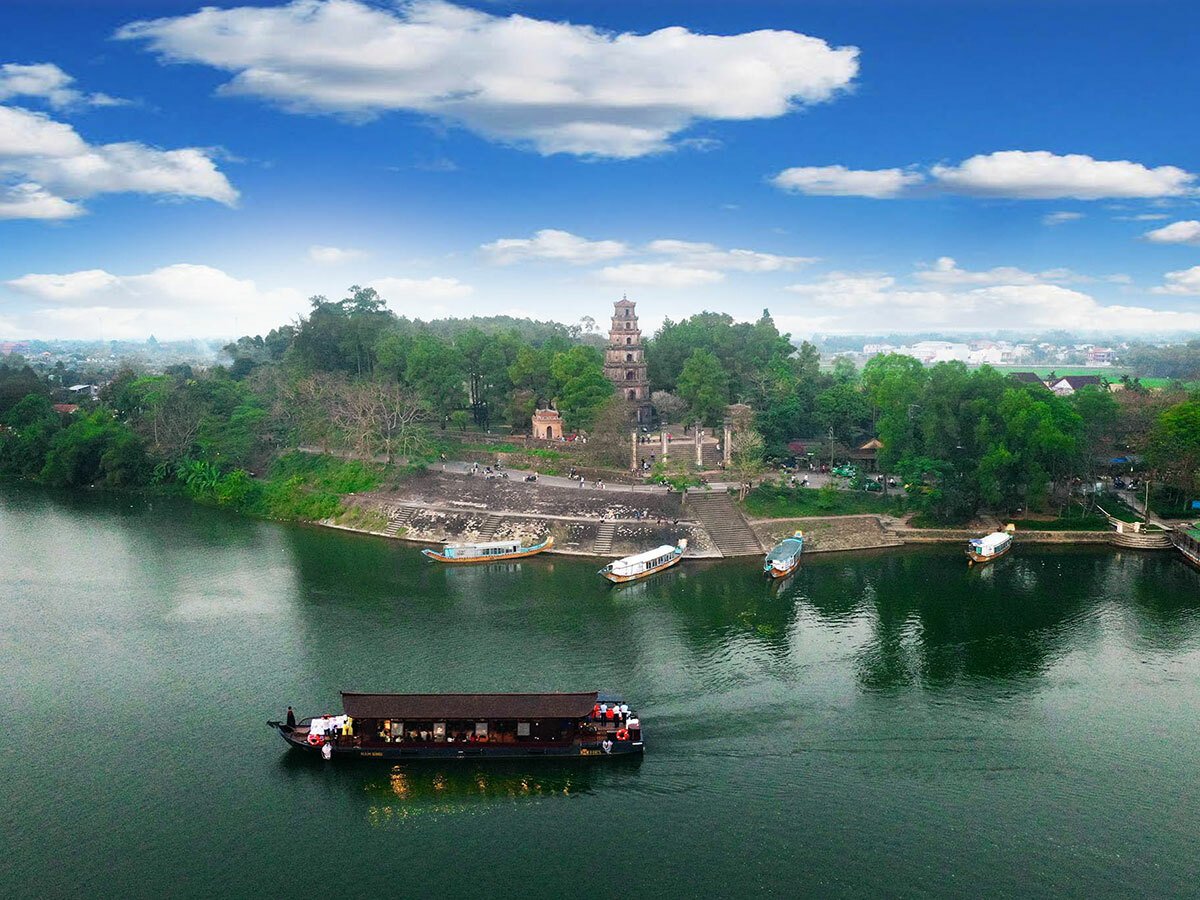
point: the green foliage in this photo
(580, 385)
(95, 449)
(705, 387)
(775, 501)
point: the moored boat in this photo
(469, 726)
(990, 547)
(784, 558)
(492, 551)
(642, 565)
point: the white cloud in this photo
(50, 83)
(1185, 232)
(1143, 217)
(1040, 175)
(946, 271)
(331, 256)
(848, 302)
(51, 164)
(709, 256)
(420, 290)
(1061, 218)
(560, 87)
(32, 201)
(1185, 281)
(552, 244)
(176, 301)
(663, 275)
(838, 181)
(1015, 174)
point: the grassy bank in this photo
(298, 486)
(775, 502)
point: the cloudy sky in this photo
(188, 170)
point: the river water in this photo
(892, 724)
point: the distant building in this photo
(547, 424)
(625, 361)
(1100, 356)
(1069, 384)
(1027, 378)
(66, 408)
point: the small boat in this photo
(493, 551)
(469, 726)
(641, 565)
(991, 546)
(784, 557)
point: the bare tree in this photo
(378, 417)
(670, 407)
(746, 457)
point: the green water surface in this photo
(879, 725)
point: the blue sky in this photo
(853, 166)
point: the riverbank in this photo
(434, 507)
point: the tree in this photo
(670, 407)
(704, 386)
(608, 441)
(746, 457)
(580, 385)
(435, 370)
(1174, 445)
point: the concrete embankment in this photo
(437, 507)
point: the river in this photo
(882, 724)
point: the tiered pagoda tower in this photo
(625, 361)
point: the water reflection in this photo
(896, 619)
(396, 794)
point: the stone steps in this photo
(602, 546)
(398, 517)
(724, 523)
(487, 530)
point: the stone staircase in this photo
(724, 523)
(602, 546)
(487, 531)
(398, 517)
(712, 457)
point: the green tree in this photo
(703, 384)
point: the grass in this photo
(309, 487)
(1080, 523)
(775, 502)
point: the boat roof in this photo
(647, 555)
(786, 548)
(488, 545)
(995, 539)
(469, 706)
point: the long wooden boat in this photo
(643, 565)
(784, 558)
(469, 726)
(990, 547)
(493, 551)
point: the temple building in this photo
(547, 424)
(624, 361)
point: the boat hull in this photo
(477, 560)
(974, 559)
(475, 752)
(773, 572)
(623, 579)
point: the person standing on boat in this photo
(291, 718)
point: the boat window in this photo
(522, 729)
